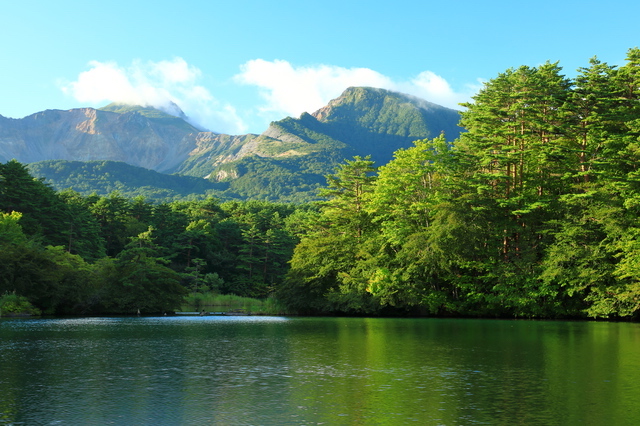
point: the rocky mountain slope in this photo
(292, 155)
(143, 137)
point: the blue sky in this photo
(234, 66)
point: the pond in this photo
(308, 371)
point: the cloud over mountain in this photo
(157, 84)
(294, 90)
(287, 89)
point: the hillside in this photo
(159, 142)
(299, 152)
(287, 162)
(104, 177)
(362, 121)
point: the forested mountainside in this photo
(105, 177)
(288, 162)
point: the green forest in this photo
(532, 212)
(69, 254)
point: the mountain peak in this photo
(367, 98)
(171, 114)
(384, 112)
(148, 111)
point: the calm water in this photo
(302, 371)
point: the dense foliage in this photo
(67, 253)
(533, 212)
(278, 180)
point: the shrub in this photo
(12, 304)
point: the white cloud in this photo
(156, 84)
(433, 88)
(293, 90)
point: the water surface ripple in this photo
(308, 371)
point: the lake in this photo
(308, 371)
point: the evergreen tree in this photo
(43, 213)
(82, 228)
(518, 137)
(325, 263)
(112, 214)
(138, 280)
(408, 266)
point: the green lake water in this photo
(308, 371)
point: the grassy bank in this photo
(212, 302)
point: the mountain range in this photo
(144, 151)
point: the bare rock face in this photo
(88, 134)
